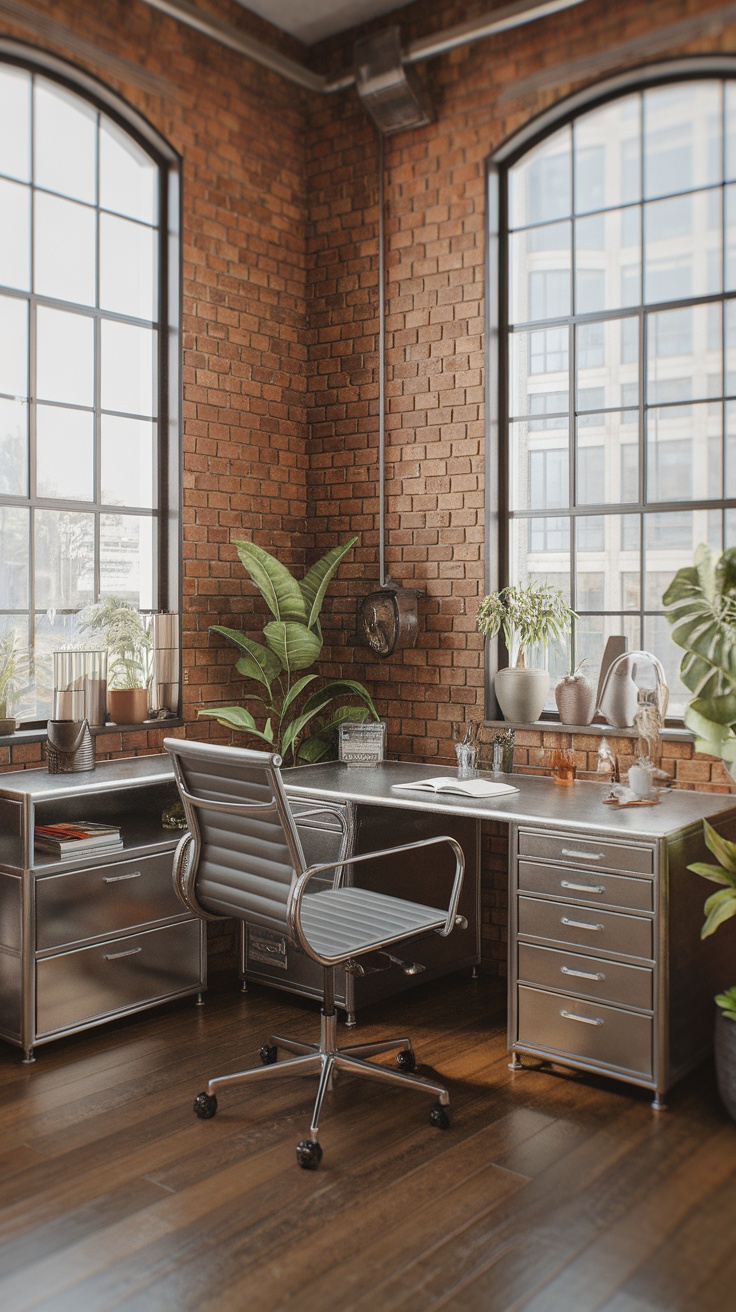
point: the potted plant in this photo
(528, 615)
(129, 646)
(292, 642)
(8, 681)
(700, 605)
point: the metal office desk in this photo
(607, 971)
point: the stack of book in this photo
(70, 839)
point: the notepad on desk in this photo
(460, 787)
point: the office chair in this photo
(243, 857)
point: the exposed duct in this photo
(391, 93)
(514, 15)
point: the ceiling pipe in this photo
(504, 20)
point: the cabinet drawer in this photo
(588, 852)
(94, 982)
(586, 927)
(589, 1031)
(104, 900)
(594, 887)
(591, 977)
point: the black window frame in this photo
(168, 581)
(497, 426)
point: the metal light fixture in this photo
(389, 89)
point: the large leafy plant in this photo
(700, 604)
(292, 642)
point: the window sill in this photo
(22, 736)
(673, 734)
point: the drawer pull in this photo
(580, 924)
(584, 1020)
(115, 879)
(582, 856)
(582, 974)
(582, 888)
(115, 956)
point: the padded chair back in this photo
(246, 852)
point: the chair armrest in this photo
(183, 873)
(300, 887)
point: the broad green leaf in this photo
(314, 749)
(274, 581)
(718, 908)
(268, 731)
(338, 688)
(317, 579)
(294, 644)
(295, 690)
(727, 1001)
(723, 851)
(236, 717)
(250, 669)
(700, 605)
(268, 661)
(714, 873)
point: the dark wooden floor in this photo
(550, 1193)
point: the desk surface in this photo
(539, 801)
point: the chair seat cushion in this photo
(345, 922)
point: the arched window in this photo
(88, 360)
(616, 378)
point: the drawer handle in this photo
(582, 974)
(584, 1020)
(115, 956)
(583, 888)
(115, 879)
(582, 856)
(580, 924)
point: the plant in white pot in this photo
(532, 615)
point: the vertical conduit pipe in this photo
(381, 367)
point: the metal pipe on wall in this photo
(504, 20)
(381, 365)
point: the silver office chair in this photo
(242, 857)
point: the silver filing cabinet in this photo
(607, 971)
(83, 940)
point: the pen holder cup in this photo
(70, 747)
(467, 760)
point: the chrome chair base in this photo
(325, 1059)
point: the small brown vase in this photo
(575, 699)
(127, 705)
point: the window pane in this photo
(601, 364)
(128, 462)
(607, 156)
(684, 453)
(64, 248)
(540, 547)
(15, 246)
(530, 447)
(14, 555)
(15, 108)
(730, 347)
(13, 448)
(128, 368)
(670, 541)
(126, 558)
(730, 271)
(682, 137)
(676, 265)
(658, 639)
(730, 471)
(603, 475)
(64, 559)
(65, 357)
(128, 268)
(64, 453)
(540, 277)
(65, 142)
(128, 177)
(13, 346)
(602, 548)
(538, 362)
(540, 184)
(607, 261)
(684, 354)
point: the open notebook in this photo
(461, 787)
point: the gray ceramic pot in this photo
(521, 694)
(725, 1051)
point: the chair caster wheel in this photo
(205, 1106)
(406, 1060)
(309, 1154)
(439, 1118)
(269, 1053)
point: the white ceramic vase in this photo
(521, 694)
